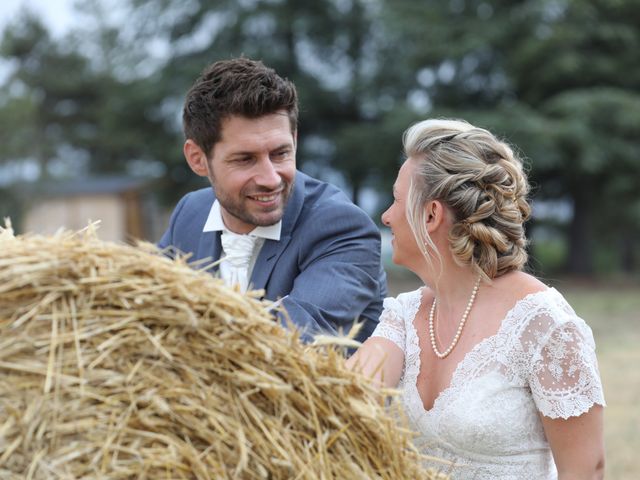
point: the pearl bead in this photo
(463, 320)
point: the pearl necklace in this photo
(463, 320)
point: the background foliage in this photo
(560, 79)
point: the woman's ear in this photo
(434, 214)
(196, 158)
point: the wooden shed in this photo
(123, 206)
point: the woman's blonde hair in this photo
(482, 182)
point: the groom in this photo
(299, 239)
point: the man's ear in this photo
(196, 158)
(434, 214)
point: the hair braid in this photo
(482, 181)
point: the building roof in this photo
(91, 185)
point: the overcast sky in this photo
(57, 14)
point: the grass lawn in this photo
(612, 310)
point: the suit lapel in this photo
(209, 247)
(271, 250)
(266, 261)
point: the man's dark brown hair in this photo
(239, 86)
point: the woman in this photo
(498, 374)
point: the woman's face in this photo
(405, 248)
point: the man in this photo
(277, 229)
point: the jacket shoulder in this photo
(191, 212)
(201, 196)
(323, 198)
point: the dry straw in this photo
(116, 362)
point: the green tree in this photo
(40, 99)
(597, 132)
(582, 74)
(559, 78)
(68, 113)
(336, 52)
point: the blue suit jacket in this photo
(327, 259)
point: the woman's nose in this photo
(385, 217)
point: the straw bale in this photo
(116, 362)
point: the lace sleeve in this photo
(391, 324)
(564, 377)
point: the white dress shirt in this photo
(240, 250)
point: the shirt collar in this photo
(215, 223)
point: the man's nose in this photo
(267, 175)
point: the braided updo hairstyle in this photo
(482, 182)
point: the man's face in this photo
(252, 169)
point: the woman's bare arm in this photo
(380, 359)
(577, 445)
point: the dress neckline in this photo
(459, 367)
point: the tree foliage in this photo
(67, 114)
(559, 78)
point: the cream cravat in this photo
(238, 250)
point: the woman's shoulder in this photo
(405, 303)
(518, 288)
(518, 285)
(534, 302)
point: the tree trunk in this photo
(355, 190)
(628, 245)
(580, 256)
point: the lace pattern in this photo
(391, 325)
(564, 377)
(542, 359)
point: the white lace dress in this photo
(542, 359)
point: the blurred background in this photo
(91, 94)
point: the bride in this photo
(498, 375)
